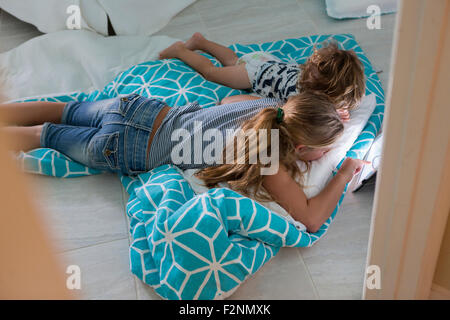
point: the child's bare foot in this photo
(194, 43)
(172, 51)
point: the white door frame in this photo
(412, 197)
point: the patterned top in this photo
(194, 145)
(277, 80)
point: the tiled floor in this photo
(87, 215)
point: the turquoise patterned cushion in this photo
(189, 246)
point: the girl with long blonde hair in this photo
(308, 126)
(134, 134)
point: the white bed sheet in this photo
(130, 17)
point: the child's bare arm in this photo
(315, 211)
(238, 98)
(233, 76)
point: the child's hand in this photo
(344, 114)
(350, 167)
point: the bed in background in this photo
(201, 246)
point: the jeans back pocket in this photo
(103, 151)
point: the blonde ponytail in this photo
(309, 120)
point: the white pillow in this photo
(342, 9)
(130, 17)
(322, 169)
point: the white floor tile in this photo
(145, 292)
(254, 21)
(285, 277)
(105, 272)
(184, 24)
(82, 211)
(337, 261)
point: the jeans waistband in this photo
(142, 117)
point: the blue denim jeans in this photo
(110, 135)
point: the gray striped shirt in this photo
(191, 137)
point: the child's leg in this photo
(225, 55)
(232, 76)
(22, 138)
(31, 113)
(72, 141)
(89, 113)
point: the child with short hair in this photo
(336, 73)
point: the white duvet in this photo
(128, 17)
(71, 61)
